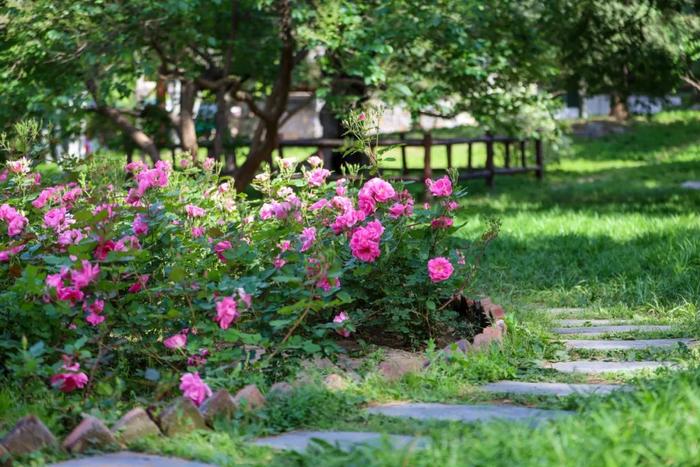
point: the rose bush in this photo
(150, 275)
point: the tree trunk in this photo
(188, 133)
(332, 129)
(618, 109)
(140, 139)
(275, 105)
(221, 121)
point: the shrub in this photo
(144, 273)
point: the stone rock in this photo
(28, 435)
(319, 363)
(465, 413)
(130, 459)
(91, 433)
(299, 441)
(590, 344)
(251, 395)
(5, 457)
(134, 425)
(253, 352)
(461, 345)
(397, 363)
(597, 330)
(281, 389)
(181, 417)
(550, 389)
(488, 336)
(221, 404)
(691, 185)
(335, 382)
(349, 363)
(598, 367)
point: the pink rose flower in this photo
(278, 263)
(176, 341)
(442, 222)
(374, 191)
(364, 242)
(197, 232)
(70, 237)
(317, 177)
(440, 187)
(208, 164)
(71, 380)
(87, 274)
(245, 297)
(221, 247)
(320, 204)
(140, 225)
(440, 269)
(339, 319)
(194, 388)
(139, 284)
(226, 312)
(194, 211)
(315, 161)
(94, 310)
(308, 237)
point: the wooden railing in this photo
(516, 157)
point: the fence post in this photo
(469, 157)
(449, 156)
(507, 154)
(427, 144)
(522, 154)
(489, 160)
(404, 164)
(539, 172)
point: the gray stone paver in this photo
(300, 440)
(626, 344)
(465, 413)
(595, 367)
(608, 329)
(590, 322)
(549, 389)
(128, 459)
(563, 310)
(691, 185)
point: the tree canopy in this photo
(69, 62)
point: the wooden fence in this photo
(519, 155)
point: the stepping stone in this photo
(300, 440)
(691, 185)
(607, 329)
(589, 322)
(549, 389)
(625, 344)
(595, 367)
(563, 310)
(128, 459)
(465, 413)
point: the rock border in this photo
(29, 434)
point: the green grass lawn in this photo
(609, 228)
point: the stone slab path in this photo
(597, 367)
(626, 344)
(549, 389)
(596, 330)
(465, 413)
(300, 440)
(589, 322)
(128, 459)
